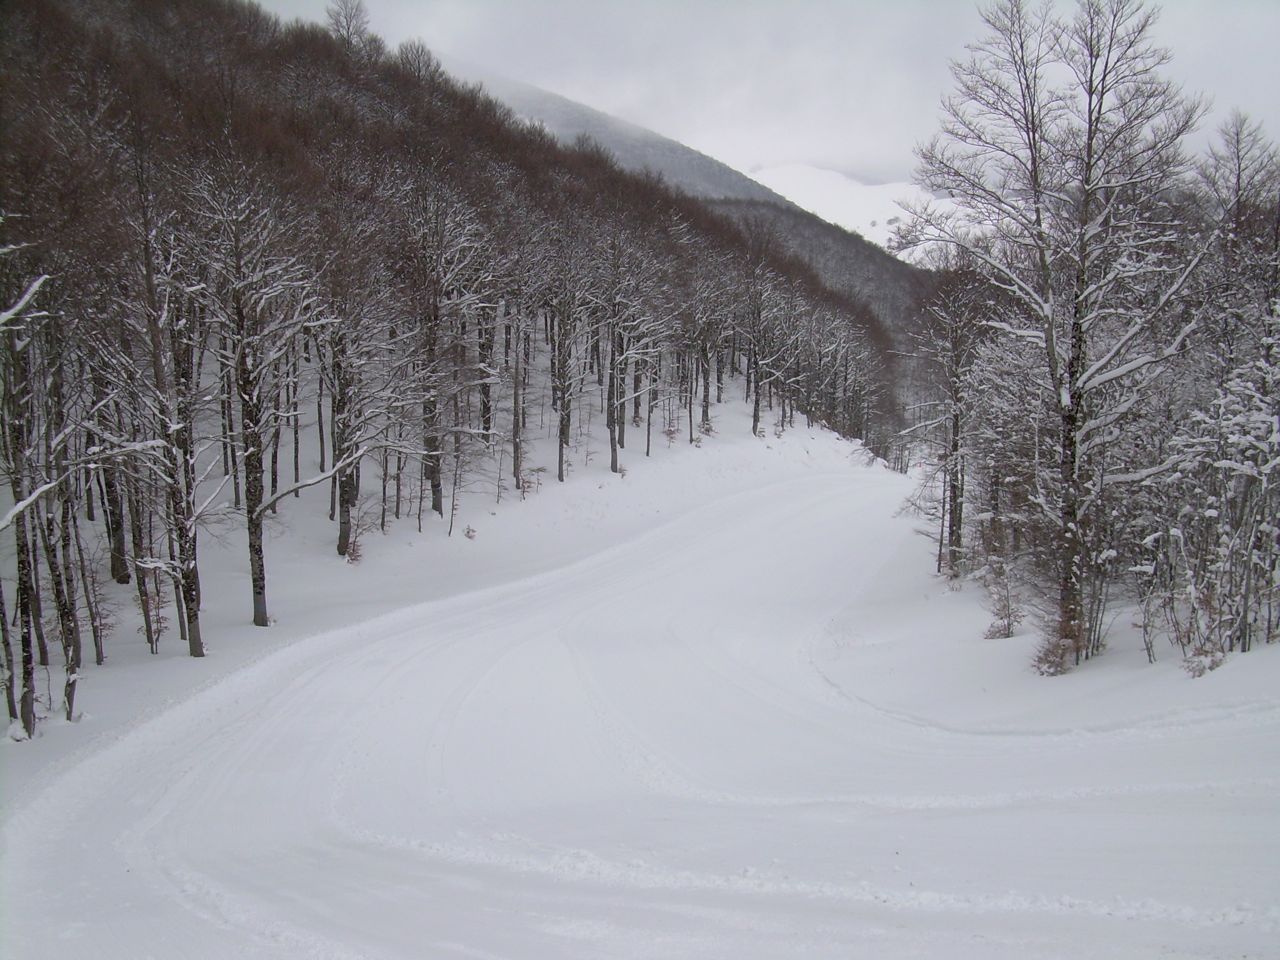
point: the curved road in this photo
(661, 751)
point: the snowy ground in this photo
(717, 708)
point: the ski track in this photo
(644, 754)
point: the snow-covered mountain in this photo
(635, 147)
(872, 210)
(672, 691)
(869, 210)
(810, 222)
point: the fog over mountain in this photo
(635, 147)
(821, 216)
(872, 210)
(844, 85)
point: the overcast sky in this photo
(851, 85)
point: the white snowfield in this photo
(872, 210)
(760, 730)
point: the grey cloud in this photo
(848, 85)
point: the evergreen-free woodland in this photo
(222, 231)
(1106, 415)
(232, 243)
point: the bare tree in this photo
(262, 299)
(348, 21)
(1063, 197)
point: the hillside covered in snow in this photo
(836, 226)
(717, 702)
(873, 211)
(717, 705)
(424, 535)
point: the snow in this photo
(872, 210)
(717, 708)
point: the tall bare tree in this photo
(1063, 196)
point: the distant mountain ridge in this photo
(843, 259)
(636, 148)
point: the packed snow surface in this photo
(717, 708)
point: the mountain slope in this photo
(870, 210)
(845, 262)
(842, 259)
(636, 148)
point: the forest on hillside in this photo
(421, 537)
(1104, 423)
(221, 231)
(231, 243)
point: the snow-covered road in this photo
(761, 731)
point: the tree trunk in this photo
(955, 472)
(485, 334)
(10, 678)
(14, 384)
(611, 404)
(113, 511)
(346, 500)
(562, 368)
(705, 360)
(182, 491)
(431, 423)
(517, 408)
(27, 699)
(189, 582)
(275, 450)
(257, 561)
(68, 629)
(140, 553)
(1070, 547)
(620, 387)
(295, 419)
(320, 411)
(228, 425)
(755, 381)
(251, 434)
(37, 604)
(90, 600)
(637, 382)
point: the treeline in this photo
(1105, 422)
(229, 240)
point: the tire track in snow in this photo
(1162, 726)
(271, 876)
(566, 865)
(665, 779)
